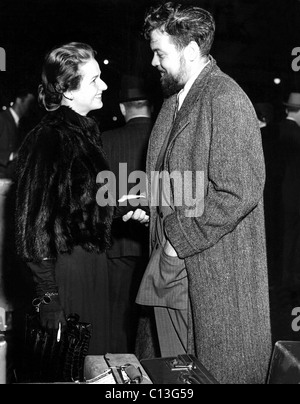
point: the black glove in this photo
(52, 313)
(47, 302)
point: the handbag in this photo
(49, 359)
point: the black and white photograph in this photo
(149, 194)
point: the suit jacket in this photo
(128, 144)
(290, 141)
(9, 142)
(222, 237)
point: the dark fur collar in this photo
(67, 115)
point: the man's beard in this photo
(170, 85)
(173, 84)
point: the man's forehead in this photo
(160, 39)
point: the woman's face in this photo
(88, 96)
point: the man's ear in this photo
(192, 51)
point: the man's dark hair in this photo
(185, 23)
(22, 92)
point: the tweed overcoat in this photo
(216, 132)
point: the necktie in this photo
(176, 108)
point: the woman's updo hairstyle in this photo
(61, 72)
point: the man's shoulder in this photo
(223, 86)
(109, 134)
(289, 125)
(222, 80)
(129, 128)
(113, 131)
(6, 116)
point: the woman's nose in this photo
(102, 85)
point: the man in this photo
(10, 140)
(207, 276)
(289, 130)
(272, 191)
(10, 136)
(126, 148)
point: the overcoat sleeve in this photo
(235, 178)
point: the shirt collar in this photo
(183, 93)
(291, 119)
(15, 116)
(139, 116)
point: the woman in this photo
(60, 230)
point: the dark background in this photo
(254, 42)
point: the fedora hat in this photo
(132, 89)
(293, 101)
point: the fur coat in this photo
(56, 206)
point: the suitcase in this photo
(285, 363)
(114, 369)
(181, 369)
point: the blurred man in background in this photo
(10, 133)
(290, 141)
(128, 257)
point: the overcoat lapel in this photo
(192, 99)
(165, 123)
(161, 130)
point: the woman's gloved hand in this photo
(52, 313)
(47, 302)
